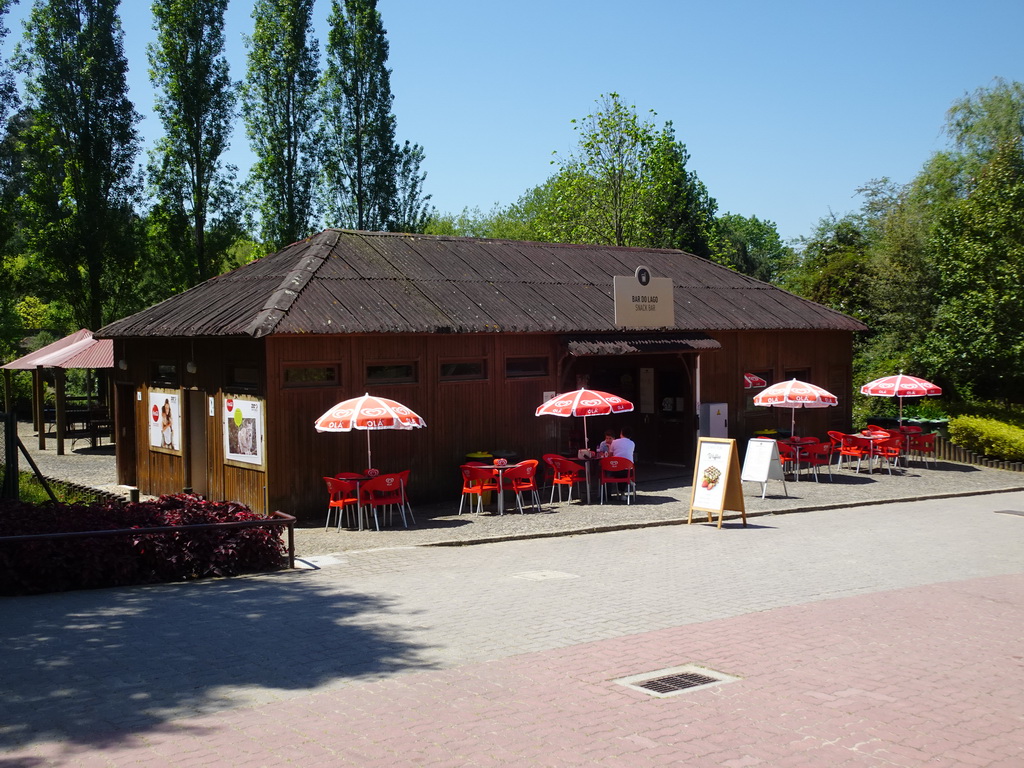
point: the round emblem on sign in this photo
(643, 275)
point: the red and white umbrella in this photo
(753, 381)
(368, 412)
(584, 402)
(901, 385)
(795, 394)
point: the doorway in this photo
(198, 453)
(125, 428)
(660, 388)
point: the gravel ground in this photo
(663, 499)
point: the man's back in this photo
(623, 448)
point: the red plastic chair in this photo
(384, 492)
(617, 470)
(888, 451)
(522, 479)
(549, 468)
(342, 496)
(567, 473)
(855, 447)
(477, 479)
(818, 456)
(789, 458)
(403, 476)
(924, 446)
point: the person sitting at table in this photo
(623, 446)
(605, 446)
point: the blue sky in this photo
(786, 108)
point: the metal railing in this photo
(276, 520)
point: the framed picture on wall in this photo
(164, 418)
(242, 419)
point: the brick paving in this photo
(880, 635)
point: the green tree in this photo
(412, 207)
(978, 340)
(371, 182)
(10, 177)
(281, 112)
(752, 246)
(196, 215)
(832, 267)
(79, 145)
(626, 184)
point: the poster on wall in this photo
(165, 420)
(243, 429)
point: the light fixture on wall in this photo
(122, 364)
(190, 367)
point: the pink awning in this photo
(79, 350)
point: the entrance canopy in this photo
(638, 343)
(79, 350)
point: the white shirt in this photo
(622, 447)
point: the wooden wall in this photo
(496, 413)
(820, 357)
(158, 472)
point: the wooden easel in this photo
(716, 479)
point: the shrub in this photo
(54, 565)
(988, 437)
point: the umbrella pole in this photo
(586, 439)
(901, 412)
(369, 455)
(792, 422)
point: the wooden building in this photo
(217, 388)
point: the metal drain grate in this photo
(671, 682)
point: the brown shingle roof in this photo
(340, 281)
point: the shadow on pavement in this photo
(87, 667)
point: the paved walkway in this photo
(880, 635)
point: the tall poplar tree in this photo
(80, 146)
(9, 179)
(195, 216)
(281, 111)
(370, 181)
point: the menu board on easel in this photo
(762, 464)
(716, 479)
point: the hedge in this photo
(54, 565)
(988, 437)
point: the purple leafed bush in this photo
(55, 565)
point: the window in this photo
(164, 375)
(243, 378)
(463, 370)
(767, 376)
(523, 367)
(392, 373)
(310, 375)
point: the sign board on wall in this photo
(243, 424)
(643, 301)
(716, 479)
(164, 419)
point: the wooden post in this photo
(58, 399)
(39, 405)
